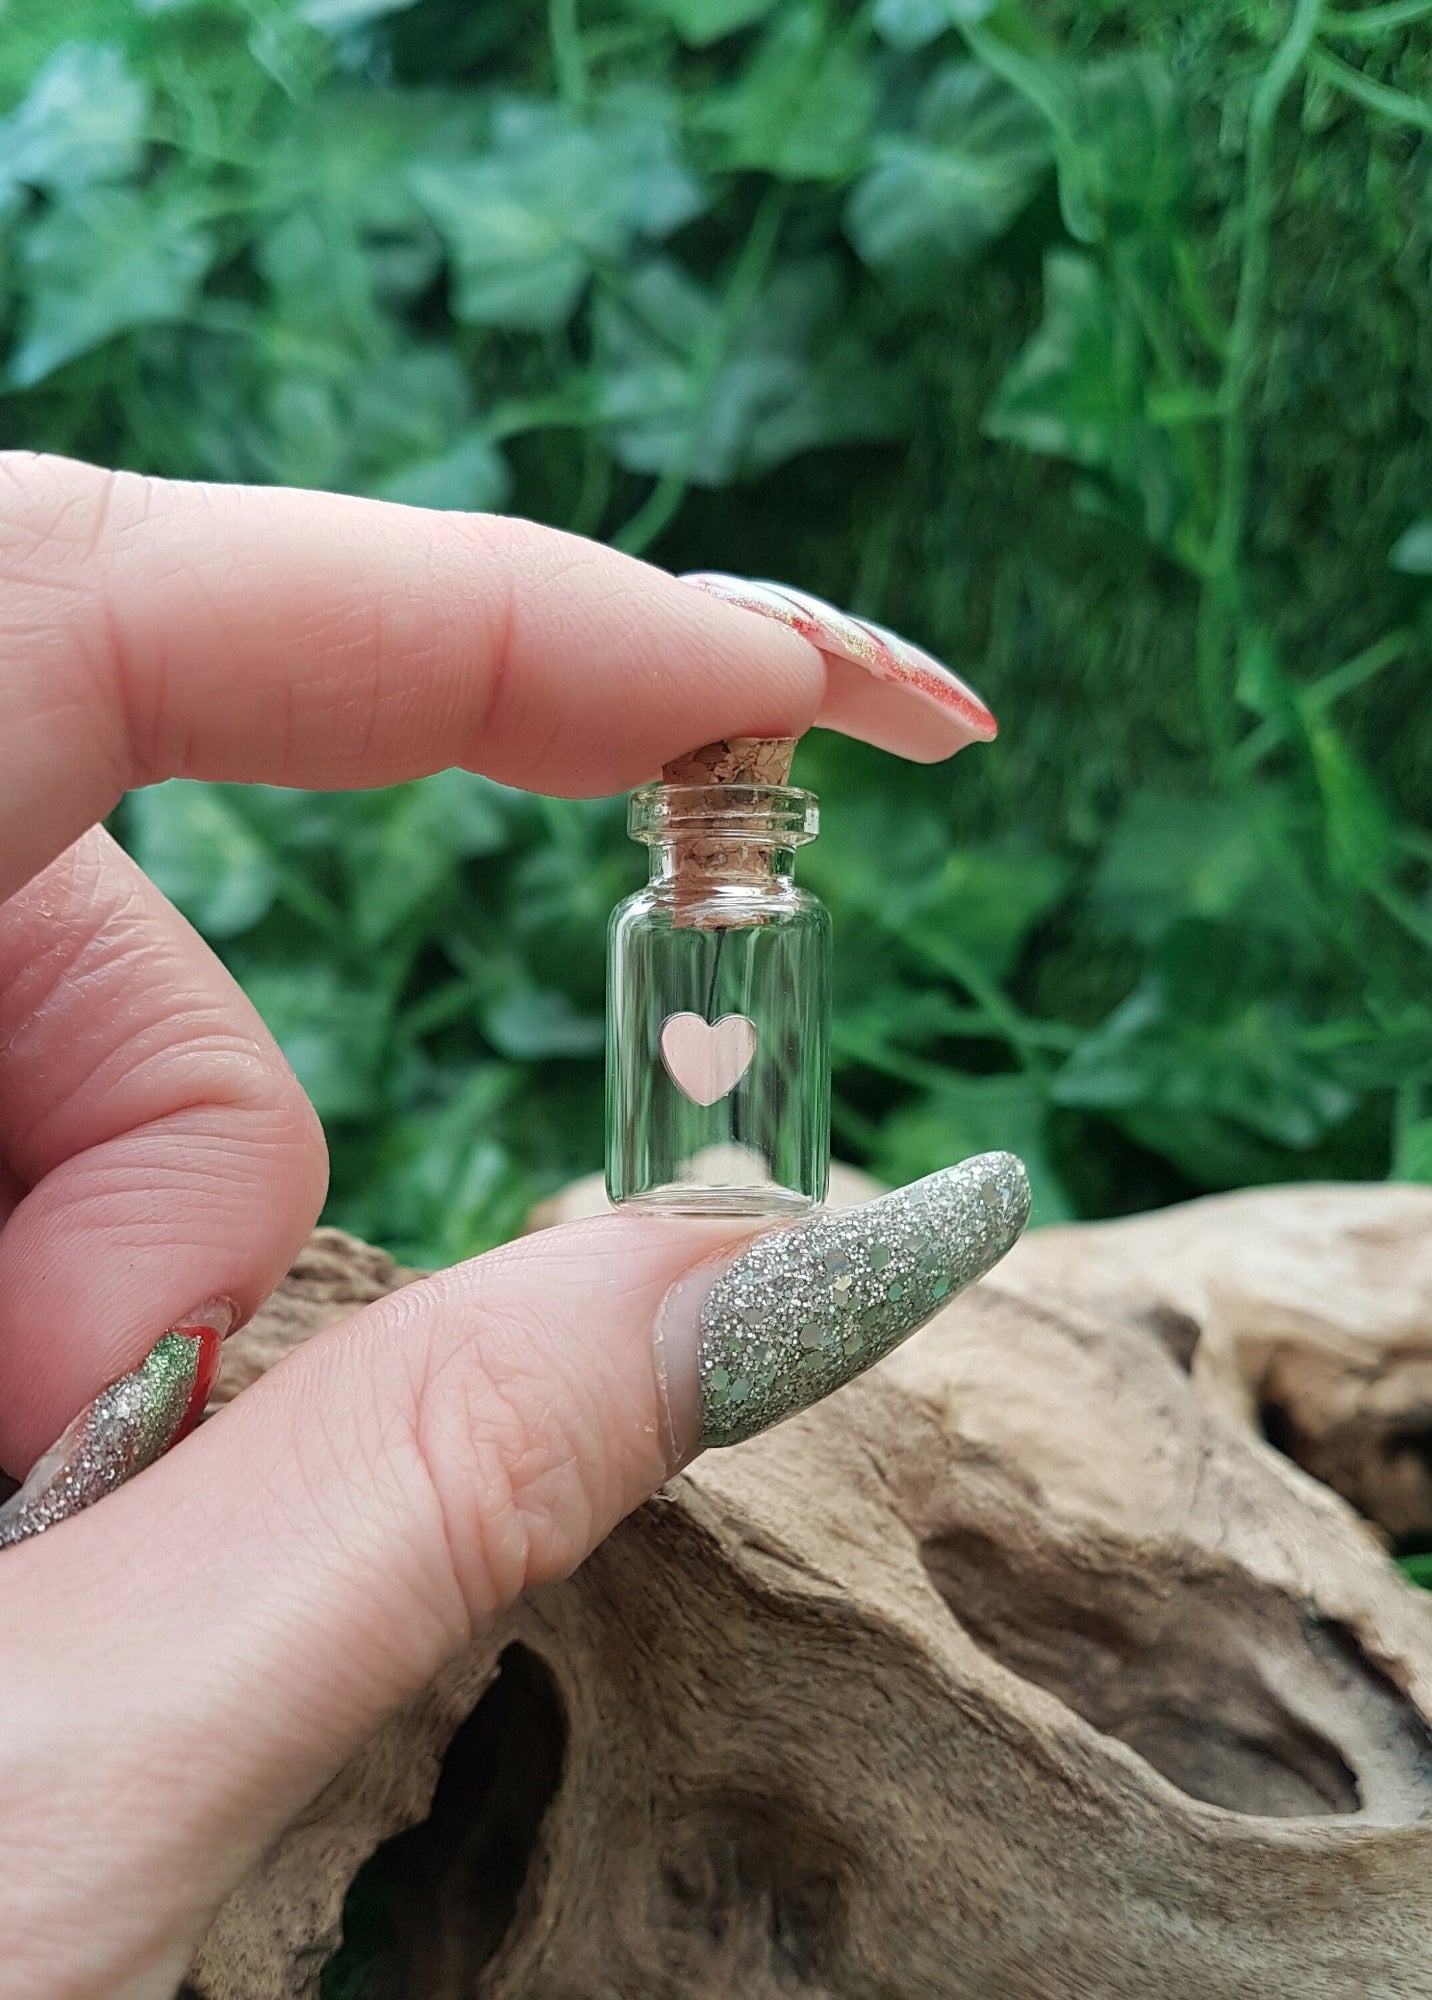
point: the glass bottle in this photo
(718, 1008)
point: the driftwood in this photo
(1307, 1313)
(1023, 1667)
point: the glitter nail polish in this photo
(718, 997)
(801, 1311)
(125, 1429)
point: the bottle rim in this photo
(774, 815)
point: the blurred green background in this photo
(1086, 344)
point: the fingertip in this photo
(606, 668)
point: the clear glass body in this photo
(718, 1009)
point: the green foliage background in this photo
(1086, 343)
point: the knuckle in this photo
(54, 512)
(59, 523)
(150, 1031)
(508, 1449)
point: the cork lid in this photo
(707, 852)
(735, 760)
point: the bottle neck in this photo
(705, 839)
(718, 860)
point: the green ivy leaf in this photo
(194, 846)
(1417, 1570)
(532, 1024)
(975, 1114)
(1116, 123)
(340, 231)
(1262, 685)
(306, 441)
(563, 889)
(940, 195)
(702, 22)
(1123, 156)
(1383, 1052)
(334, 1034)
(474, 814)
(1359, 830)
(1169, 858)
(440, 1186)
(1412, 551)
(99, 263)
(396, 865)
(300, 825)
(407, 851)
(789, 380)
(875, 864)
(908, 25)
(1412, 1160)
(1069, 394)
(409, 407)
(337, 17)
(1062, 395)
(527, 223)
(804, 107)
(82, 122)
(984, 902)
(1210, 1031)
(402, 429)
(471, 476)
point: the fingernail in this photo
(125, 1428)
(210, 1325)
(858, 641)
(800, 1311)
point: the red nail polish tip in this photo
(209, 1342)
(922, 670)
(872, 703)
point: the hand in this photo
(334, 1535)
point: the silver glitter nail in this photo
(122, 1431)
(804, 1309)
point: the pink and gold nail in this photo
(880, 688)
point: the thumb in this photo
(187, 1664)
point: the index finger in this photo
(160, 629)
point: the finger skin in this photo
(161, 629)
(12, 1191)
(168, 1150)
(186, 1664)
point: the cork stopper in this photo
(735, 760)
(704, 859)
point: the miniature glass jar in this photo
(718, 1008)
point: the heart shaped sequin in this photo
(704, 1059)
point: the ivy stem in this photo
(1369, 24)
(1222, 590)
(568, 56)
(1365, 90)
(661, 505)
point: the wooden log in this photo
(1306, 1313)
(1022, 1669)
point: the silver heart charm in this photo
(706, 1060)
